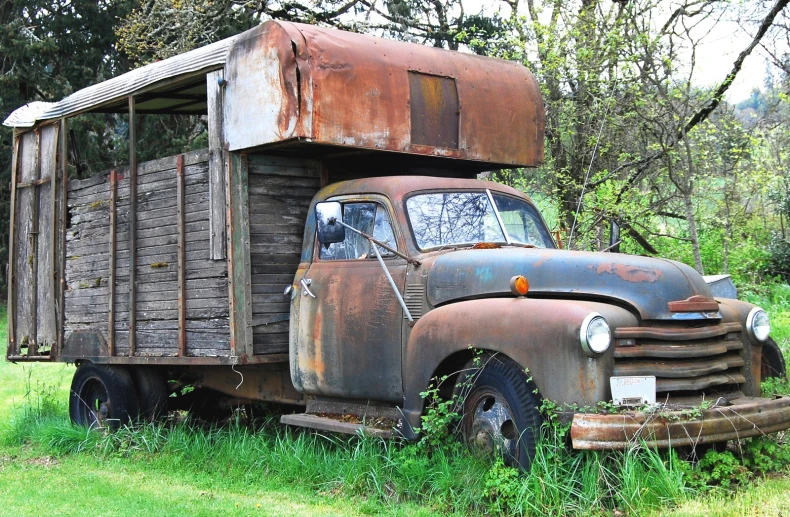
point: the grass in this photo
(47, 465)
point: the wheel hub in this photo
(493, 428)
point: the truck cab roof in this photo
(399, 187)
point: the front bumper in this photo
(745, 417)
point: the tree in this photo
(49, 49)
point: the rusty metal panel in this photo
(644, 283)
(746, 417)
(264, 93)
(293, 81)
(113, 90)
(434, 110)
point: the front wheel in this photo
(102, 396)
(500, 409)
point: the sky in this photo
(718, 50)
(717, 53)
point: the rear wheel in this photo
(102, 396)
(500, 409)
(151, 391)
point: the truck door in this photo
(35, 244)
(349, 341)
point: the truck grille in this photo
(682, 359)
(413, 297)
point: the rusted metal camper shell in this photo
(297, 82)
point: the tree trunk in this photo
(727, 235)
(689, 206)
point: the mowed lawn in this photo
(34, 482)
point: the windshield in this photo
(456, 218)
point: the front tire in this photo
(500, 409)
(102, 396)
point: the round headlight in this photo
(595, 335)
(758, 325)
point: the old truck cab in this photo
(481, 276)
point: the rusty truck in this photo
(332, 249)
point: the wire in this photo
(233, 367)
(592, 159)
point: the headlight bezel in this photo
(754, 314)
(591, 349)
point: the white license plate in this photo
(633, 390)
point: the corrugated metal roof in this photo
(212, 55)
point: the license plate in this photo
(633, 390)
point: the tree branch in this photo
(706, 110)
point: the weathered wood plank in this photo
(132, 266)
(266, 181)
(193, 272)
(161, 164)
(112, 256)
(194, 232)
(61, 225)
(217, 160)
(182, 295)
(202, 288)
(94, 316)
(273, 259)
(195, 183)
(27, 170)
(278, 219)
(260, 309)
(101, 296)
(146, 246)
(197, 201)
(258, 160)
(284, 205)
(46, 322)
(239, 257)
(264, 349)
(264, 189)
(271, 288)
(195, 175)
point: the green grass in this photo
(49, 466)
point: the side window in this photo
(370, 218)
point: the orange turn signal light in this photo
(519, 285)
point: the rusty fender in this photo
(540, 335)
(746, 417)
(736, 310)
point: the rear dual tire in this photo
(109, 396)
(102, 396)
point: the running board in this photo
(323, 423)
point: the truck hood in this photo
(646, 284)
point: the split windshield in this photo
(441, 219)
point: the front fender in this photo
(541, 335)
(737, 310)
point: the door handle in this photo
(305, 289)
